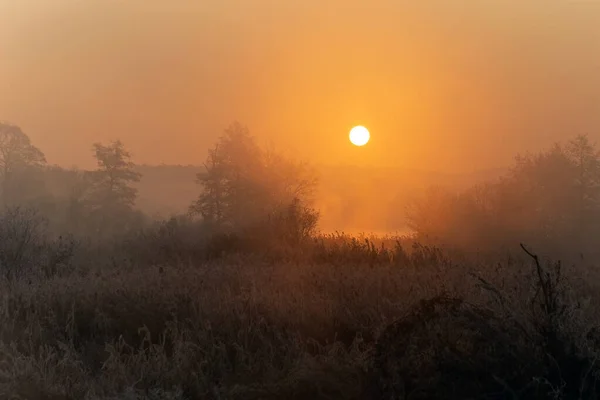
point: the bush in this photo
(27, 248)
(445, 340)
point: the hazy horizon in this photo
(449, 245)
(448, 87)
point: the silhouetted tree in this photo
(543, 195)
(550, 198)
(69, 190)
(243, 184)
(586, 161)
(18, 156)
(113, 180)
(293, 223)
(432, 213)
(112, 195)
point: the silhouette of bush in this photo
(27, 248)
(447, 348)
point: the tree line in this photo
(550, 199)
(242, 186)
(73, 199)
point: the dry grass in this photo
(343, 319)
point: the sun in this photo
(359, 135)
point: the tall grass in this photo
(339, 317)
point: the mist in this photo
(184, 214)
(451, 87)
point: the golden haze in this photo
(451, 86)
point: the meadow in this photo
(334, 317)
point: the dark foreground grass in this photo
(392, 325)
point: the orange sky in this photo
(448, 85)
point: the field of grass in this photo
(341, 318)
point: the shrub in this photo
(495, 354)
(27, 248)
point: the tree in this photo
(432, 213)
(550, 199)
(210, 203)
(68, 190)
(586, 165)
(113, 180)
(111, 198)
(586, 161)
(243, 184)
(542, 187)
(293, 223)
(17, 157)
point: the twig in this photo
(543, 282)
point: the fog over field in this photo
(261, 199)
